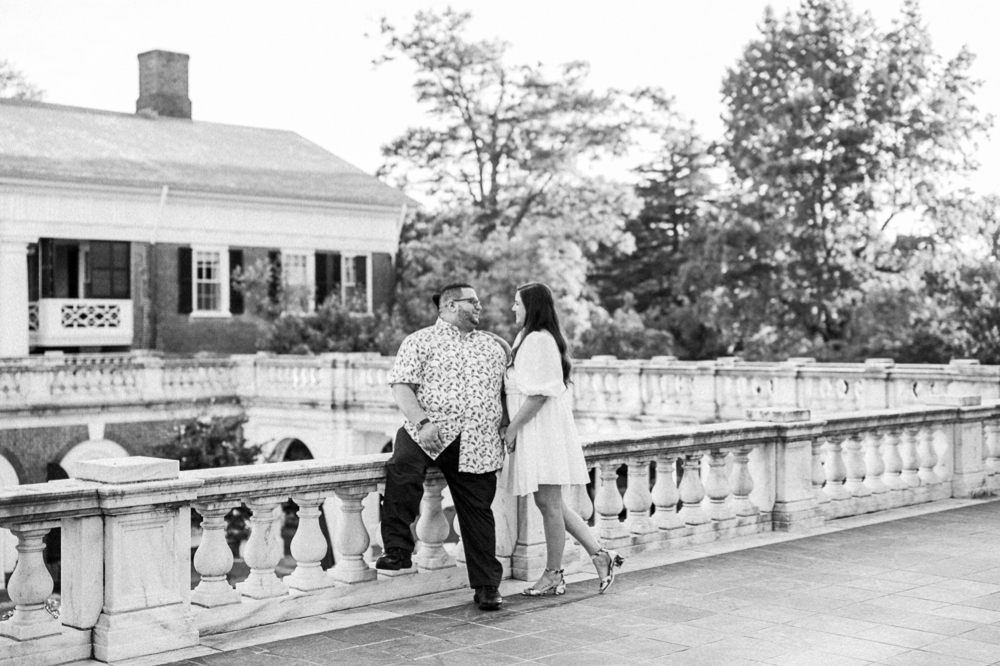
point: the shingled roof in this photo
(69, 144)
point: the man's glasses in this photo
(472, 300)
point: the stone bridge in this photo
(127, 534)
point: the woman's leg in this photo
(580, 531)
(548, 499)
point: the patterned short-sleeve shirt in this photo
(458, 380)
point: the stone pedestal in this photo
(795, 506)
(147, 549)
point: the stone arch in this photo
(91, 449)
(290, 448)
(8, 554)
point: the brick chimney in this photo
(163, 84)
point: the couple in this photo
(447, 381)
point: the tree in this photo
(834, 132)
(14, 85)
(503, 160)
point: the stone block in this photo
(145, 632)
(953, 400)
(780, 415)
(127, 470)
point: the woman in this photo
(546, 455)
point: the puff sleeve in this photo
(538, 366)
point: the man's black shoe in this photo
(394, 559)
(488, 597)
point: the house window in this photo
(356, 293)
(106, 267)
(297, 273)
(207, 281)
(210, 283)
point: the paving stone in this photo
(527, 647)
(921, 658)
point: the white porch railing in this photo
(606, 391)
(80, 322)
(126, 540)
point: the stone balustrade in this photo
(607, 391)
(126, 537)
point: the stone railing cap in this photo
(134, 469)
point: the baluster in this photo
(835, 471)
(893, 461)
(638, 499)
(908, 454)
(855, 463)
(309, 546)
(433, 527)
(214, 559)
(874, 467)
(717, 487)
(742, 484)
(351, 539)
(692, 492)
(665, 494)
(30, 585)
(819, 474)
(927, 457)
(263, 552)
(943, 453)
(608, 503)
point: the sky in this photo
(306, 65)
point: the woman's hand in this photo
(509, 438)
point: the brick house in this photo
(121, 231)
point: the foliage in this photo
(333, 328)
(209, 442)
(676, 193)
(265, 295)
(624, 335)
(839, 138)
(503, 157)
(14, 85)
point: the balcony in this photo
(80, 322)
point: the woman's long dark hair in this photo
(540, 315)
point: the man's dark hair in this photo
(454, 286)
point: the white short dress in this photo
(548, 450)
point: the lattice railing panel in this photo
(90, 315)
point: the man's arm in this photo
(406, 399)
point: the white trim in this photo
(51, 211)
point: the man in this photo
(446, 380)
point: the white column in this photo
(14, 297)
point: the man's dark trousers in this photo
(472, 493)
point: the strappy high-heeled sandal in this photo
(615, 561)
(558, 587)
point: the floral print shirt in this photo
(458, 380)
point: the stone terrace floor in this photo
(914, 587)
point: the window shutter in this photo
(47, 249)
(236, 302)
(274, 279)
(335, 274)
(184, 283)
(383, 280)
(322, 283)
(361, 272)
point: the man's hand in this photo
(430, 439)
